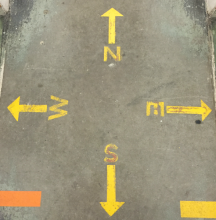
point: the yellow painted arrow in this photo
(112, 13)
(111, 206)
(204, 110)
(15, 108)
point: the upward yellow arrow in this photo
(15, 108)
(111, 206)
(204, 110)
(112, 13)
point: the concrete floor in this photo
(56, 48)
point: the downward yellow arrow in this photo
(204, 110)
(112, 13)
(15, 108)
(111, 206)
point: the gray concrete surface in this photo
(56, 48)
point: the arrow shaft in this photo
(198, 209)
(112, 29)
(184, 110)
(33, 108)
(111, 183)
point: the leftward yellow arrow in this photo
(112, 13)
(15, 108)
(204, 110)
(111, 206)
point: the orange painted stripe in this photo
(20, 198)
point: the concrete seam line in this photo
(211, 45)
(2, 68)
(213, 68)
(211, 48)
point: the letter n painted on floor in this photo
(116, 57)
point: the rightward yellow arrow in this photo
(196, 209)
(112, 13)
(111, 206)
(204, 110)
(15, 108)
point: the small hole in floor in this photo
(198, 122)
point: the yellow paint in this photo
(107, 151)
(190, 209)
(111, 206)
(15, 108)
(112, 13)
(204, 110)
(55, 108)
(155, 105)
(116, 57)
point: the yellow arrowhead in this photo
(111, 207)
(14, 108)
(206, 110)
(111, 12)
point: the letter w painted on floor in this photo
(54, 108)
